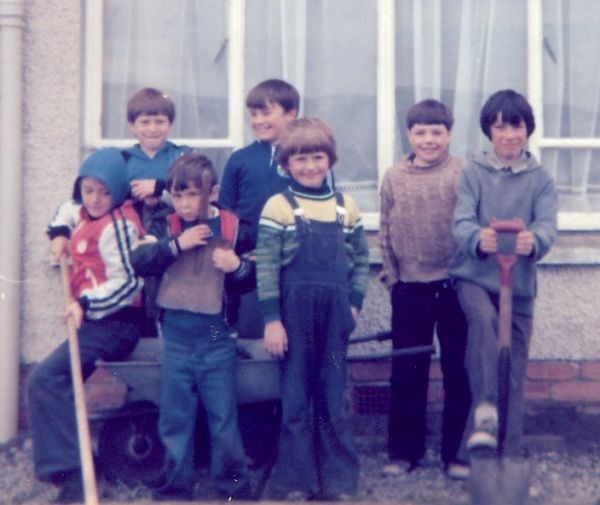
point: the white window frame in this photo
(568, 221)
(385, 101)
(92, 136)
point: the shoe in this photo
(457, 470)
(71, 488)
(485, 434)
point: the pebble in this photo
(568, 477)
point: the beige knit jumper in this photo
(417, 205)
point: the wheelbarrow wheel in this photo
(503, 394)
(129, 446)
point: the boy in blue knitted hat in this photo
(105, 309)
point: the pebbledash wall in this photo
(565, 366)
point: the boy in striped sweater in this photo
(312, 272)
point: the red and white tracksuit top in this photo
(102, 277)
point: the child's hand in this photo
(488, 241)
(142, 188)
(74, 310)
(58, 247)
(354, 313)
(193, 237)
(275, 341)
(525, 242)
(225, 259)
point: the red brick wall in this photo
(575, 383)
(548, 382)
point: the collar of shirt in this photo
(516, 167)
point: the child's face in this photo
(429, 142)
(309, 169)
(188, 202)
(151, 132)
(509, 141)
(268, 122)
(95, 197)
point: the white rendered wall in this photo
(52, 95)
(567, 318)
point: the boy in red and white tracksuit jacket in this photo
(101, 229)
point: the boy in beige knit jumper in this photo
(418, 195)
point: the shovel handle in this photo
(506, 263)
(83, 430)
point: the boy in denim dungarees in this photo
(312, 272)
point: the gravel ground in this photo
(565, 471)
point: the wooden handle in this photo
(83, 429)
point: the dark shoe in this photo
(71, 488)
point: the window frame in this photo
(386, 101)
(92, 130)
(567, 221)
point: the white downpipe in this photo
(11, 167)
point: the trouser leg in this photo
(51, 402)
(295, 468)
(336, 455)
(521, 336)
(412, 325)
(452, 336)
(217, 387)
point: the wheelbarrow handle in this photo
(408, 351)
(379, 337)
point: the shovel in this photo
(83, 430)
(502, 480)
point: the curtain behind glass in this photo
(459, 52)
(178, 46)
(572, 98)
(328, 50)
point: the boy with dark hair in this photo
(251, 176)
(193, 257)
(312, 272)
(418, 195)
(105, 309)
(506, 182)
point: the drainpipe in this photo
(11, 168)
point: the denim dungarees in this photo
(316, 450)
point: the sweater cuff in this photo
(270, 310)
(58, 231)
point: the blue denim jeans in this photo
(198, 364)
(51, 403)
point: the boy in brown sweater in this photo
(418, 195)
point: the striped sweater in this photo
(277, 244)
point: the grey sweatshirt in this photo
(485, 192)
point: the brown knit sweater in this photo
(417, 204)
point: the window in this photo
(566, 90)
(359, 65)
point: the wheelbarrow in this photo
(500, 479)
(129, 447)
